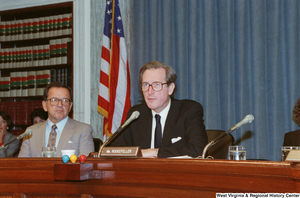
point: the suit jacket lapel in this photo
(66, 135)
(146, 125)
(170, 122)
(7, 138)
(40, 137)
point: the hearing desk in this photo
(49, 177)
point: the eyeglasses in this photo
(156, 86)
(55, 101)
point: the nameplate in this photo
(121, 152)
(293, 156)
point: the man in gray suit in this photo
(70, 134)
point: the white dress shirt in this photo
(163, 117)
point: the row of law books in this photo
(20, 111)
(35, 28)
(32, 83)
(54, 53)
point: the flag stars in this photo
(108, 2)
(119, 31)
(119, 18)
(109, 11)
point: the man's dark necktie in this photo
(158, 132)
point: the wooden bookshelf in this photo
(46, 47)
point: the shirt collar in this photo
(60, 125)
(164, 113)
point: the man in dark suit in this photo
(179, 129)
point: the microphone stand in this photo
(8, 143)
(248, 119)
(214, 141)
(133, 116)
(108, 141)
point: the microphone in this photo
(133, 116)
(248, 119)
(26, 133)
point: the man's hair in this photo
(56, 84)
(5, 116)
(296, 113)
(38, 113)
(170, 72)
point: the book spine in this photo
(19, 84)
(2, 58)
(46, 55)
(51, 26)
(64, 50)
(58, 51)
(1, 87)
(6, 58)
(31, 83)
(42, 27)
(53, 52)
(55, 25)
(2, 31)
(24, 84)
(28, 56)
(7, 30)
(12, 110)
(10, 57)
(59, 24)
(6, 87)
(40, 55)
(47, 27)
(25, 29)
(22, 57)
(53, 75)
(13, 76)
(47, 77)
(13, 31)
(29, 110)
(71, 23)
(19, 114)
(35, 55)
(65, 24)
(14, 57)
(19, 34)
(24, 113)
(30, 28)
(58, 75)
(39, 83)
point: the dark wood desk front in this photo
(36, 177)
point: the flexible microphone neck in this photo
(26, 133)
(248, 119)
(133, 116)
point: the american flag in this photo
(114, 91)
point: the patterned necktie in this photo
(158, 133)
(52, 137)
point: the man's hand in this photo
(149, 153)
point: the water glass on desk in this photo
(48, 151)
(237, 152)
(285, 151)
